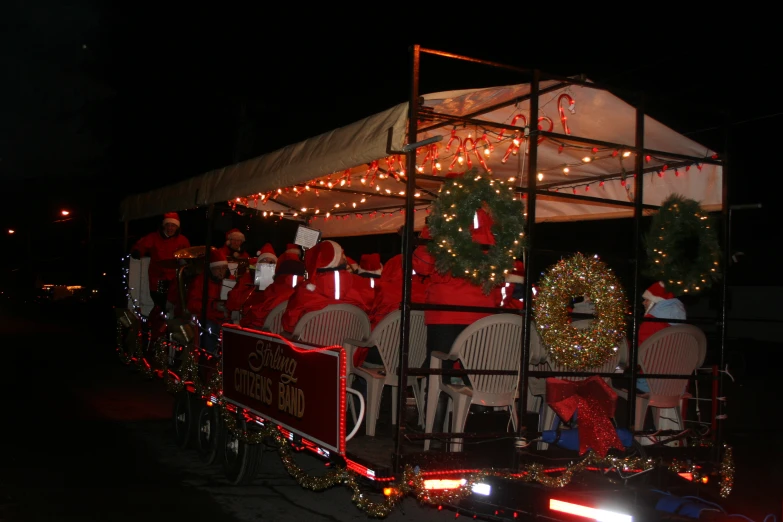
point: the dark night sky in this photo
(98, 102)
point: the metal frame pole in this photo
(637, 272)
(207, 249)
(529, 231)
(407, 258)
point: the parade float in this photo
(549, 149)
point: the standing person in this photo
(160, 247)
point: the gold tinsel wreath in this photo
(576, 276)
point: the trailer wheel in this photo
(241, 461)
(183, 419)
(208, 426)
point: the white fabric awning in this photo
(325, 174)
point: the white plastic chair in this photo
(490, 343)
(332, 325)
(386, 336)
(273, 322)
(677, 350)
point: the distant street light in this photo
(65, 212)
(11, 231)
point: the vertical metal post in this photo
(407, 254)
(726, 223)
(207, 242)
(90, 250)
(637, 268)
(530, 224)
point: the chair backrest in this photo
(608, 366)
(273, 322)
(332, 324)
(386, 336)
(491, 343)
(677, 349)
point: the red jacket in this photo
(325, 293)
(160, 248)
(447, 290)
(230, 254)
(264, 301)
(647, 329)
(366, 286)
(196, 291)
(241, 291)
(504, 297)
(388, 295)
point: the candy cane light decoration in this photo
(515, 142)
(514, 121)
(571, 109)
(541, 127)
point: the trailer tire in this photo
(182, 419)
(208, 427)
(241, 461)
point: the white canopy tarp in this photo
(321, 177)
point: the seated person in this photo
(367, 277)
(234, 247)
(328, 282)
(292, 251)
(242, 289)
(216, 308)
(511, 294)
(287, 275)
(659, 303)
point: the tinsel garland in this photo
(727, 471)
(451, 221)
(127, 354)
(576, 276)
(682, 247)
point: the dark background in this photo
(100, 101)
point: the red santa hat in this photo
(517, 274)
(234, 233)
(352, 263)
(267, 253)
(425, 233)
(371, 264)
(171, 217)
(657, 292)
(217, 258)
(481, 228)
(326, 254)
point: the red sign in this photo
(298, 386)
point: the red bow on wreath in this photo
(595, 402)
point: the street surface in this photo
(86, 438)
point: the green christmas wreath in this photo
(451, 221)
(682, 247)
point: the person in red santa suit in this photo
(160, 247)
(244, 286)
(234, 247)
(288, 275)
(388, 297)
(443, 327)
(328, 282)
(659, 303)
(351, 265)
(511, 294)
(367, 277)
(292, 251)
(216, 308)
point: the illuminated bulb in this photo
(402, 193)
(363, 180)
(342, 183)
(540, 176)
(377, 188)
(328, 214)
(354, 204)
(304, 209)
(363, 200)
(586, 159)
(307, 187)
(317, 211)
(486, 151)
(516, 142)
(437, 165)
(281, 214)
(566, 170)
(416, 194)
(460, 159)
(388, 191)
(296, 214)
(420, 168)
(265, 213)
(511, 179)
(626, 153)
